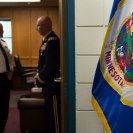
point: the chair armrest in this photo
(30, 70)
(29, 73)
(31, 103)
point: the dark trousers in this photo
(4, 100)
(53, 106)
(53, 112)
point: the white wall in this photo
(90, 26)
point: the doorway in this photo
(66, 11)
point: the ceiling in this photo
(43, 3)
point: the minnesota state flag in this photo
(112, 91)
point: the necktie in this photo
(5, 56)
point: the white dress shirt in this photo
(2, 58)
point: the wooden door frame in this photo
(62, 17)
(67, 28)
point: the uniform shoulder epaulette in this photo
(52, 38)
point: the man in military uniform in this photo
(48, 70)
(6, 69)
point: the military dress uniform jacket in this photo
(49, 63)
(48, 70)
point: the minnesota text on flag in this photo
(113, 83)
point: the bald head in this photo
(44, 25)
(1, 30)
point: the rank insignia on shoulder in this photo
(52, 38)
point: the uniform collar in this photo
(46, 35)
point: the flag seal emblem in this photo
(117, 58)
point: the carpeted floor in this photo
(12, 125)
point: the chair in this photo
(26, 75)
(32, 113)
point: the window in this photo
(7, 35)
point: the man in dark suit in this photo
(48, 71)
(6, 69)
